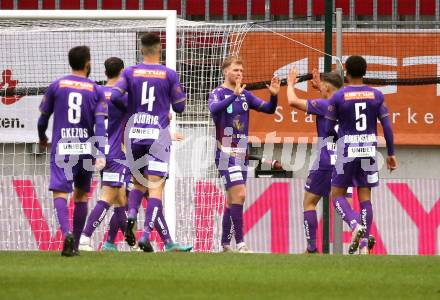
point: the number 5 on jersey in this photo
(361, 118)
(150, 99)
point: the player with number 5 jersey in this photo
(79, 110)
(152, 89)
(356, 109)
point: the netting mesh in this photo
(35, 52)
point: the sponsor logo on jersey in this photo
(150, 73)
(77, 85)
(362, 95)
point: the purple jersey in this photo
(232, 123)
(326, 158)
(151, 89)
(74, 101)
(356, 109)
(116, 124)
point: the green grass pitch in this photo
(47, 275)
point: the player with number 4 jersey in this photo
(79, 110)
(152, 89)
(356, 109)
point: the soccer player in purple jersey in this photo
(114, 175)
(152, 88)
(319, 178)
(356, 108)
(229, 105)
(78, 106)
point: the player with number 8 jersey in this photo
(152, 89)
(79, 110)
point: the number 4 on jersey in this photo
(150, 100)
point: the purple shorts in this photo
(319, 182)
(233, 172)
(356, 174)
(151, 159)
(61, 179)
(114, 174)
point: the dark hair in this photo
(231, 60)
(78, 57)
(333, 78)
(113, 67)
(149, 42)
(356, 66)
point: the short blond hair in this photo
(233, 59)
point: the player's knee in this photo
(241, 195)
(310, 201)
(80, 195)
(60, 195)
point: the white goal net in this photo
(34, 52)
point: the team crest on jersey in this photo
(314, 103)
(245, 106)
(331, 108)
(108, 95)
(237, 123)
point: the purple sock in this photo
(134, 201)
(79, 219)
(237, 221)
(162, 228)
(366, 216)
(227, 226)
(113, 227)
(122, 217)
(310, 225)
(346, 212)
(150, 216)
(96, 217)
(62, 214)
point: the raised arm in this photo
(263, 106)
(292, 98)
(216, 105)
(331, 118)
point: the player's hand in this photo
(391, 163)
(238, 87)
(43, 143)
(316, 80)
(100, 163)
(274, 87)
(177, 136)
(292, 76)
